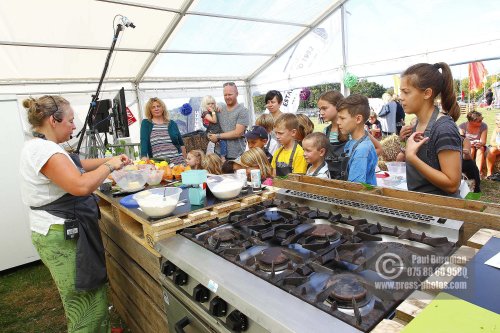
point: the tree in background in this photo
(369, 89)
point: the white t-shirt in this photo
(36, 189)
(273, 144)
(322, 173)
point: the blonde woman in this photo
(212, 163)
(57, 187)
(160, 136)
(255, 159)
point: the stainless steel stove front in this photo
(265, 308)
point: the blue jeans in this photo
(223, 147)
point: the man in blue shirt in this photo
(353, 112)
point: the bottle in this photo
(255, 180)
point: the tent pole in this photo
(343, 88)
(250, 102)
(139, 102)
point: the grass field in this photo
(29, 302)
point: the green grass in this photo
(30, 302)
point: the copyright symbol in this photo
(389, 266)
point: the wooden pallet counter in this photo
(134, 266)
(475, 214)
(147, 231)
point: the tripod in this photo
(94, 142)
(94, 147)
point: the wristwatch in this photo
(218, 136)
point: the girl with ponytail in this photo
(434, 150)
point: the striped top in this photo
(162, 146)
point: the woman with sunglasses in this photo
(160, 136)
(63, 214)
(477, 132)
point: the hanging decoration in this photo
(304, 94)
(350, 80)
(186, 109)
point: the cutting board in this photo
(448, 314)
(482, 281)
(129, 202)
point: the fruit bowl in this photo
(130, 180)
(154, 204)
(225, 187)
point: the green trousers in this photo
(86, 311)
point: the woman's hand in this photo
(118, 162)
(413, 144)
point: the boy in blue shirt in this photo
(353, 112)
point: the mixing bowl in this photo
(130, 180)
(154, 204)
(225, 187)
(155, 176)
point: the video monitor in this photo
(120, 114)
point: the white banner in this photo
(291, 100)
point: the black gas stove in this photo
(350, 268)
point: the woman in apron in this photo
(434, 150)
(64, 214)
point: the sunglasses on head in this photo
(232, 84)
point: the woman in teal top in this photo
(160, 136)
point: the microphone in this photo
(126, 22)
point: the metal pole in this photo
(343, 88)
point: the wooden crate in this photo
(148, 233)
(475, 214)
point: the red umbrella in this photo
(477, 73)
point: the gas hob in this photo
(352, 270)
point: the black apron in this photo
(282, 171)
(90, 262)
(415, 181)
(315, 173)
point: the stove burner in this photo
(345, 288)
(222, 238)
(272, 259)
(325, 231)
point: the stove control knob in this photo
(201, 293)
(237, 321)
(168, 268)
(180, 277)
(218, 307)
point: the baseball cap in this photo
(257, 132)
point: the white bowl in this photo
(155, 176)
(153, 204)
(225, 187)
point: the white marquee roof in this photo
(61, 45)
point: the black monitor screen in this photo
(120, 114)
(100, 121)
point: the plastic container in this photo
(155, 177)
(396, 168)
(130, 180)
(194, 177)
(225, 187)
(153, 204)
